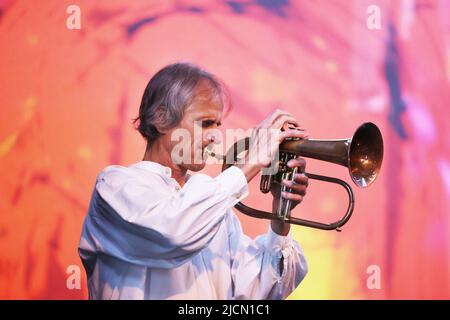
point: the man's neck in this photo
(157, 153)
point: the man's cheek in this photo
(197, 152)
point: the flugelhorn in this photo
(362, 154)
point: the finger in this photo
(290, 126)
(297, 162)
(292, 134)
(267, 122)
(301, 178)
(282, 119)
(292, 196)
(296, 188)
(278, 123)
(276, 113)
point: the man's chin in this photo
(196, 167)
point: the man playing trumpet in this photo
(154, 232)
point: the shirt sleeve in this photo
(135, 221)
(255, 264)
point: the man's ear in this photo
(159, 128)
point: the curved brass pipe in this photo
(362, 154)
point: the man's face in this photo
(199, 128)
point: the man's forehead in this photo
(209, 107)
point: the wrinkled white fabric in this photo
(145, 237)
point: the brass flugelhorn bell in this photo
(362, 154)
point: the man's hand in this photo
(265, 140)
(298, 186)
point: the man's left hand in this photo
(298, 187)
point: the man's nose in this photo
(212, 137)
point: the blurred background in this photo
(68, 97)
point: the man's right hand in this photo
(265, 140)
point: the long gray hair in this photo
(167, 95)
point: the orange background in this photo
(68, 96)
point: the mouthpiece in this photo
(211, 153)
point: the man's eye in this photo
(207, 123)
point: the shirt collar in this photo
(154, 167)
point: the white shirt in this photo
(144, 237)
